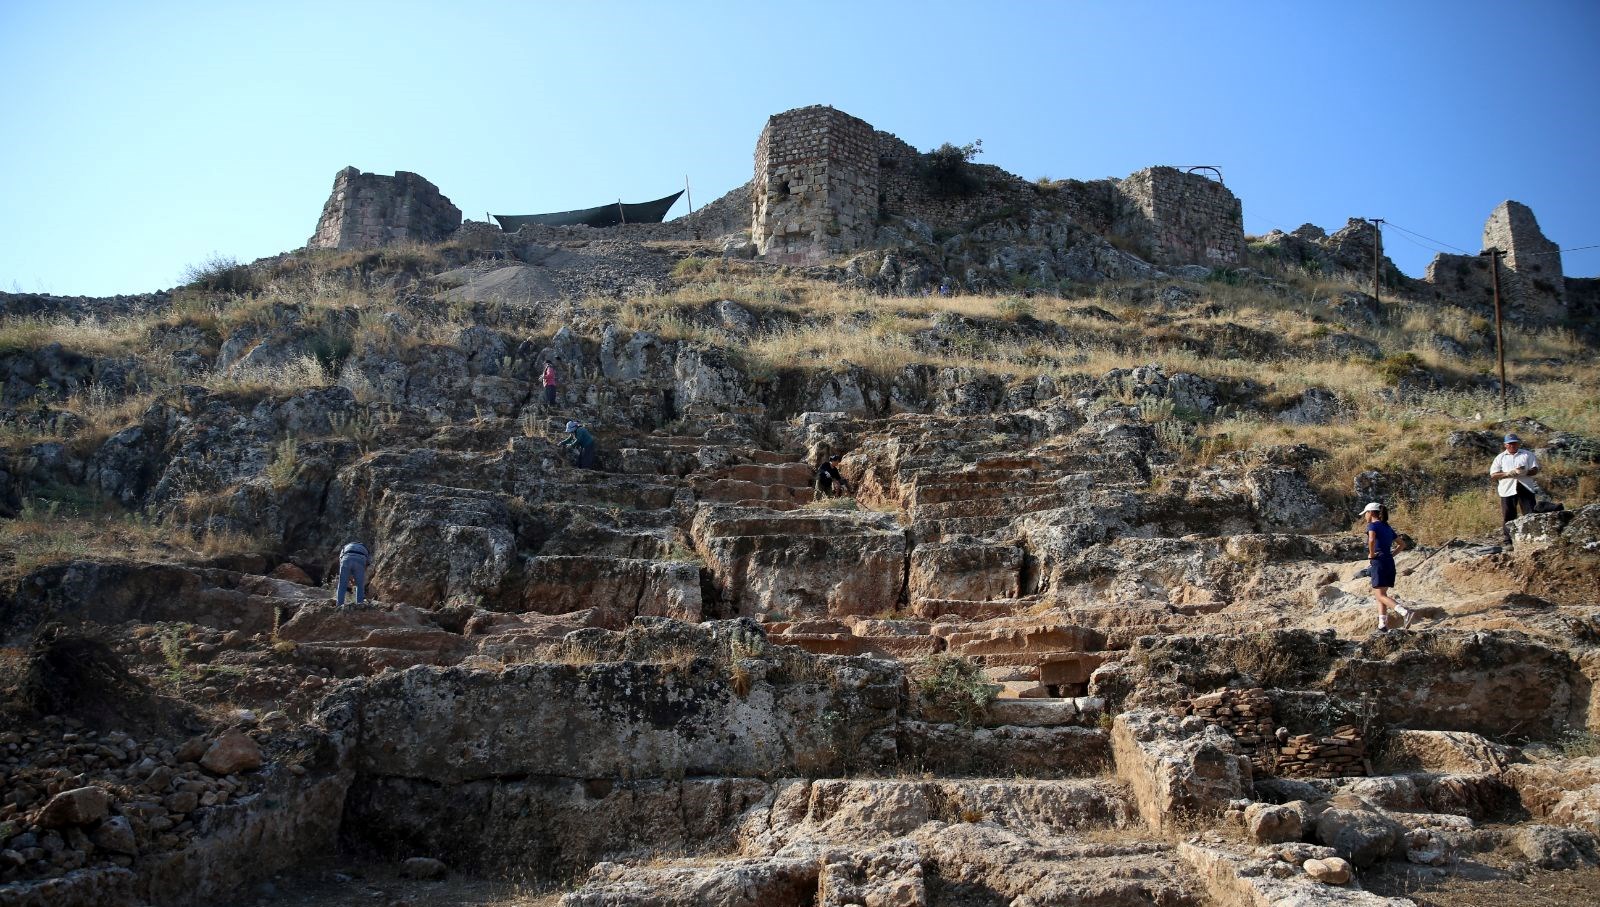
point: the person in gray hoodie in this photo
(353, 560)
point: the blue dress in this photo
(1383, 565)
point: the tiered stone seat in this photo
(880, 638)
(782, 485)
(985, 497)
(835, 842)
(1029, 657)
(802, 563)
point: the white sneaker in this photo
(1406, 615)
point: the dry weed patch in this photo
(49, 532)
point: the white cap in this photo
(1374, 507)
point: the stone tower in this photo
(1182, 218)
(1531, 277)
(816, 185)
(368, 210)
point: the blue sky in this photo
(141, 137)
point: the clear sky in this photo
(138, 138)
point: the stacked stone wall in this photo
(1248, 715)
(1180, 218)
(1342, 754)
(369, 210)
(905, 193)
(816, 184)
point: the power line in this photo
(1429, 238)
(1465, 252)
(1558, 251)
(1420, 245)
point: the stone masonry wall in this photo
(824, 179)
(1181, 218)
(1532, 285)
(369, 210)
(1248, 716)
(816, 185)
(1535, 282)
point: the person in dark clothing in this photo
(582, 443)
(353, 560)
(828, 476)
(1380, 563)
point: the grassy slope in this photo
(329, 300)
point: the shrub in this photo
(222, 274)
(1399, 366)
(1013, 308)
(945, 169)
(951, 684)
(690, 267)
(331, 347)
(285, 463)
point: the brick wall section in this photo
(1181, 218)
(369, 210)
(816, 185)
(1248, 716)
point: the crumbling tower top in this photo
(368, 210)
(1511, 227)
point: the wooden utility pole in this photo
(1377, 251)
(621, 214)
(688, 193)
(1499, 331)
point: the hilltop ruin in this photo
(827, 184)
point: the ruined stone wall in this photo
(905, 191)
(1535, 283)
(1583, 299)
(1180, 218)
(1248, 716)
(1341, 754)
(816, 184)
(369, 210)
(1460, 279)
(1532, 286)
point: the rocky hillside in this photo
(1089, 630)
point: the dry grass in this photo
(113, 337)
(48, 532)
(292, 377)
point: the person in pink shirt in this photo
(549, 381)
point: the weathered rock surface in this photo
(1177, 770)
(232, 752)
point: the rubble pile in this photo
(75, 798)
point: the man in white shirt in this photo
(1513, 468)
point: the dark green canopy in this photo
(603, 216)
